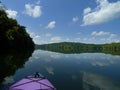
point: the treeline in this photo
(13, 36)
(113, 48)
(70, 47)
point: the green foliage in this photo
(13, 35)
(113, 48)
(69, 47)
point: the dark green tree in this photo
(12, 35)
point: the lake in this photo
(85, 71)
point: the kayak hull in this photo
(33, 83)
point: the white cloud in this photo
(67, 39)
(117, 41)
(112, 36)
(107, 37)
(33, 35)
(105, 11)
(100, 33)
(75, 19)
(36, 37)
(33, 10)
(77, 39)
(88, 39)
(56, 39)
(48, 35)
(11, 13)
(87, 10)
(51, 25)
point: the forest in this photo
(74, 47)
(13, 36)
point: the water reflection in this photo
(8, 80)
(10, 63)
(98, 82)
(50, 70)
(71, 69)
(85, 71)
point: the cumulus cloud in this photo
(48, 34)
(105, 11)
(111, 38)
(87, 10)
(100, 33)
(51, 25)
(11, 13)
(33, 10)
(67, 39)
(75, 19)
(36, 37)
(56, 39)
(106, 37)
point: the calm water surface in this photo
(86, 71)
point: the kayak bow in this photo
(33, 83)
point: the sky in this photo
(51, 21)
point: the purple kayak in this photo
(33, 82)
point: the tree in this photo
(13, 35)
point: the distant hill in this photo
(72, 47)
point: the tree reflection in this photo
(12, 61)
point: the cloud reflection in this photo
(55, 56)
(94, 59)
(8, 80)
(50, 70)
(102, 63)
(99, 82)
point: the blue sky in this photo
(86, 21)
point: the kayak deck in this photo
(33, 83)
